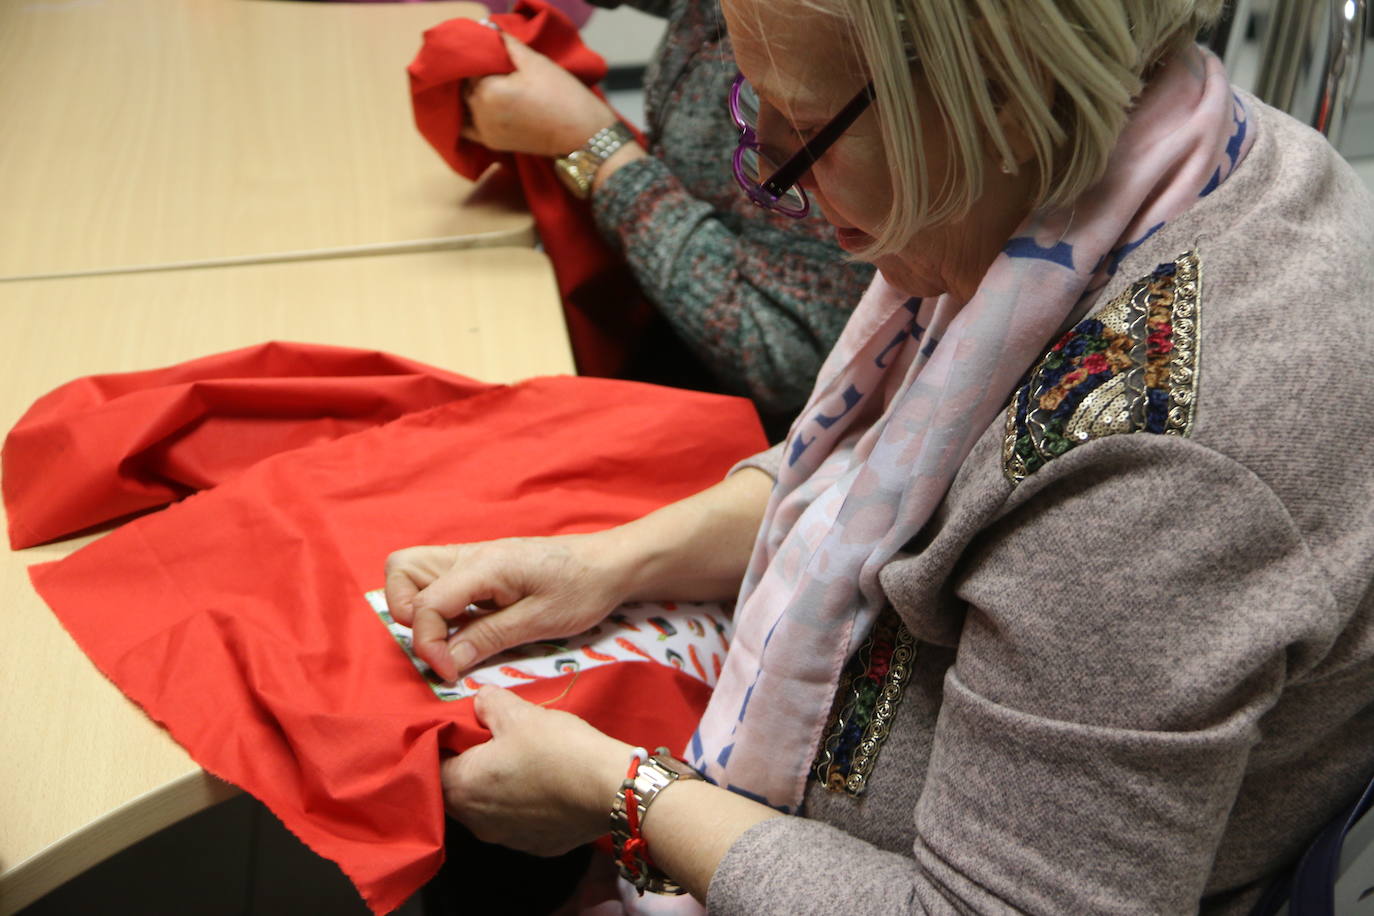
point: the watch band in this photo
(654, 775)
(577, 169)
(607, 140)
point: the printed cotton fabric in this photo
(237, 618)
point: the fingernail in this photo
(464, 654)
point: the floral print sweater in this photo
(758, 297)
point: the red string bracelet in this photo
(634, 854)
(651, 775)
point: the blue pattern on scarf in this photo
(1117, 255)
(1060, 253)
(1233, 147)
(852, 396)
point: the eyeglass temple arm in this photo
(793, 169)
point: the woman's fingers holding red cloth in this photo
(542, 784)
(539, 108)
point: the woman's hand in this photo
(695, 549)
(542, 784)
(540, 108)
(532, 589)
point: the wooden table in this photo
(83, 772)
(144, 133)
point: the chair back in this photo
(1335, 877)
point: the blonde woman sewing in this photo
(1083, 494)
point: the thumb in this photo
(491, 633)
(496, 708)
(519, 52)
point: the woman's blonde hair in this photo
(1066, 71)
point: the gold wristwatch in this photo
(577, 169)
(655, 774)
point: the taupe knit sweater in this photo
(1144, 674)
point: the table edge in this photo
(92, 843)
(524, 237)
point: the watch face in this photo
(574, 174)
(673, 765)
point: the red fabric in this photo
(105, 446)
(606, 312)
(237, 620)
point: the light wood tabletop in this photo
(144, 133)
(84, 773)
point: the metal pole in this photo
(1348, 21)
(1311, 60)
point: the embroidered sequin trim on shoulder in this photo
(870, 691)
(1131, 366)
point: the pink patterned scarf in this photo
(900, 401)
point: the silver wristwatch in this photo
(655, 774)
(577, 169)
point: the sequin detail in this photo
(1131, 366)
(866, 702)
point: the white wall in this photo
(624, 36)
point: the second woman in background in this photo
(758, 297)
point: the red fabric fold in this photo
(237, 618)
(105, 446)
(605, 310)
